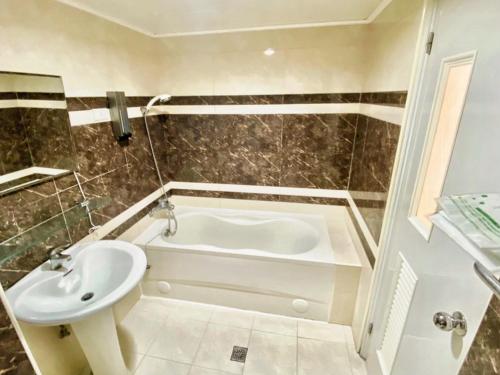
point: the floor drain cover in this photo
(87, 296)
(239, 354)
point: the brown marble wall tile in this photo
(13, 358)
(259, 197)
(319, 134)
(83, 103)
(266, 99)
(40, 95)
(191, 132)
(484, 355)
(24, 209)
(97, 150)
(251, 133)
(138, 101)
(392, 98)
(14, 149)
(321, 171)
(373, 159)
(249, 168)
(86, 103)
(275, 150)
(8, 95)
(321, 98)
(49, 137)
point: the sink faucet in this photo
(57, 258)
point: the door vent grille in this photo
(403, 291)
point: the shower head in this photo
(163, 98)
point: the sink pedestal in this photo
(98, 338)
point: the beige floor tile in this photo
(317, 357)
(196, 311)
(205, 371)
(158, 366)
(311, 329)
(357, 363)
(178, 340)
(159, 308)
(270, 354)
(233, 317)
(217, 346)
(280, 325)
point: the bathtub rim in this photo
(323, 248)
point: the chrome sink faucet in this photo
(57, 258)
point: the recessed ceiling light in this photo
(269, 52)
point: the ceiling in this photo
(163, 18)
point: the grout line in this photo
(352, 153)
(201, 341)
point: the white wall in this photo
(390, 46)
(92, 55)
(310, 60)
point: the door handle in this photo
(455, 322)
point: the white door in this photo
(434, 273)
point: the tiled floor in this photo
(170, 337)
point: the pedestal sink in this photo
(99, 274)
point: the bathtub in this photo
(274, 262)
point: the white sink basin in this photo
(100, 274)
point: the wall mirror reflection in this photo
(35, 142)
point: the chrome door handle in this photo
(454, 322)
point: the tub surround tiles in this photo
(8, 95)
(86, 103)
(32, 95)
(275, 150)
(373, 159)
(261, 197)
(397, 98)
(13, 358)
(393, 98)
(41, 96)
(484, 355)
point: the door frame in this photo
(400, 174)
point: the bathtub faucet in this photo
(165, 210)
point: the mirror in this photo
(35, 140)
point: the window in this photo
(449, 101)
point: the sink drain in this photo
(87, 296)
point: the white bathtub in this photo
(268, 261)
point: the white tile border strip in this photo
(29, 171)
(22, 103)
(259, 109)
(90, 116)
(391, 114)
(363, 226)
(381, 112)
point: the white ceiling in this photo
(162, 18)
